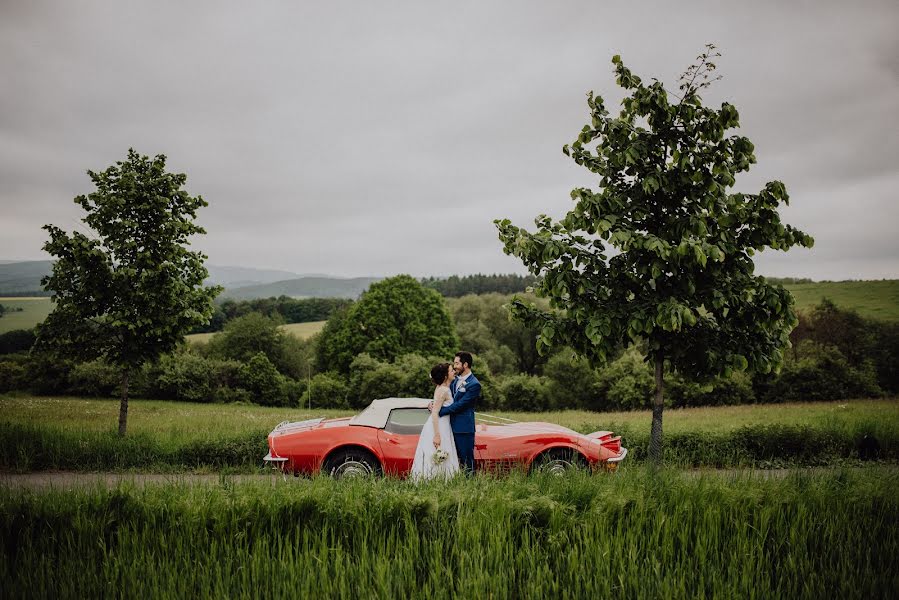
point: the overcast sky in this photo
(376, 138)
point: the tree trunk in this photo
(655, 437)
(123, 407)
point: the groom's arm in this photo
(464, 402)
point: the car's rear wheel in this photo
(348, 463)
(558, 461)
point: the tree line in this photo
(834, 355)
(455, 286)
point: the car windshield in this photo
(407, 421)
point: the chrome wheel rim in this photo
(558, 466)
(352, 468)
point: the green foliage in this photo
(325, 390)
(17, 340)
(455, 286)
(394, 317)
(572, 382)
(485, 328)
(247, 336)
(13, 375)
(282, 309)
(682, 280)
(130, 291)
(192, 378)
(262, 379)
(525, 393)
(95, 378)
(407, 377)
(821, 373)
(626, 384)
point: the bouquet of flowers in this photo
(440, 456)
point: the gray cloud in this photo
(373, 139)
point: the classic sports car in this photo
(383, 437)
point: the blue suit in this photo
(461, 413)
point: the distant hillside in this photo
(23, 278)
(304, 287)
(871, 299)
(236, 277)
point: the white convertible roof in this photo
(377, 412)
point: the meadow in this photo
(34, 310)
(634, 534)
(39, 433)
(871, 299)
(298, 330)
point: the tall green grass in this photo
(629, 535)
(74, 434)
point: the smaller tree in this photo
(130, 291)
(662, 254)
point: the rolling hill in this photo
(304, 287)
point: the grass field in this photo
(872, 299)
(300, 330)
(185, 421)
(34, 310)
(636, 534)
(71, 433)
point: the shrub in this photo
(263, 381)
(96, 378)
(193, 378)
(821, 373)
(370, 379)
(721, 391)
(13, 376)
(17, 340)
(625, 384)
(885, 354)
(525, 393)
(571, 382)
(326, 390)
(245, 337)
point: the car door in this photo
(399, 438)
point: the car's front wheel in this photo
(558, 461)
(349, 463)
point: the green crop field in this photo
(872, 299)
(300, 330)
(71, 433)
(635, 534)
(34, 310)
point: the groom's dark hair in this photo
(465, 357)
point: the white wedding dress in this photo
(423, 466)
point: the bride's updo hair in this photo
(439, 373)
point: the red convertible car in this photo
(383, 437)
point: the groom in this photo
(466, 390)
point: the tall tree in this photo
(131, 290)
(395, 316)
(680, 280)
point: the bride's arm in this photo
(435, 413)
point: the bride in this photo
(435, 456)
